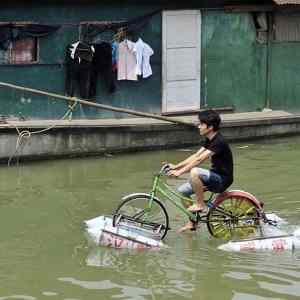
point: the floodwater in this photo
(44, 253)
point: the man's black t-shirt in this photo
(221, 160)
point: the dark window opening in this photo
(22, 51)
(261, 25)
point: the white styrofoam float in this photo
(102, 232)
(275, 243)
(274, 239)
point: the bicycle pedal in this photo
(203, 212)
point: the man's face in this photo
(204, 129)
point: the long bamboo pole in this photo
(97, 105)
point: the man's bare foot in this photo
(197, 208)
(188, 226)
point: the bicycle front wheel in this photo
(234, 217)
(148, 214)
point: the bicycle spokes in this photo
(146, 211)
(234, 217)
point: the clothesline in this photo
(10, 31)
(100, 23)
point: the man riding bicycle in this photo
(218, 178)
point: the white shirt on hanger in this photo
(143, 53)
(73, 49)
(127, 61)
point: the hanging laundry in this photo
(102, 64)
(82, 51)
(79, 58)
(73, 49)
(143, 53)
(114, 54)
(127, 61)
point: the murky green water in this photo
(44, 254)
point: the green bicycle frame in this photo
(162, 188)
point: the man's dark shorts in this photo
(210, 179)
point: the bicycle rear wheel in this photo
(150, 215)
(236, 216)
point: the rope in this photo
(27, 134)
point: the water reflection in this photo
(274, 274)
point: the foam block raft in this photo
(275, 243)
(273, 239)
(102, 232)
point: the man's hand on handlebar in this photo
(170, 170)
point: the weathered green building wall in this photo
(233, 68)
(285, 76)
(233, 63)
(48, 74)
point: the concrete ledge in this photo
(95, 137)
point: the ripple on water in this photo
(117, 290)
(275, 274)
(18, 297)
(49, 293)
(244, 296)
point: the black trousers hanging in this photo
(78, 73)
(102, 65)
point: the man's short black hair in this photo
(210, 118)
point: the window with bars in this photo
(23, 51)
(286, 27)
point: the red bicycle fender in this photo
(238, 193)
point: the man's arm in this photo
(188, 160)
(192, 162)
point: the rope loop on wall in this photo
(24, 135)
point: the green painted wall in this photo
(285, 76)
(233, 68)
(144, 95)
(233, 63)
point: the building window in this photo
(22, 51)
(261, 26)
(286, 27)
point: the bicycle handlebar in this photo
(165, 169)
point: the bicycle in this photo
(233, 214)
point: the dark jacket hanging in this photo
(79, 70)
(102, 65)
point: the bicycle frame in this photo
(162, 188)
